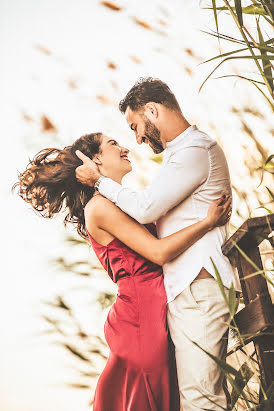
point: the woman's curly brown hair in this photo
(49, 183)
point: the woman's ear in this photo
(97, 160)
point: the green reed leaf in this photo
(219, 282)
(270, 193)
(244, 375)
(269, 159)
(250, 9)
(266, 63)
(232, 300)
(239, 12)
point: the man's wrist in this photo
(98, 182)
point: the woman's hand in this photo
(220, 211)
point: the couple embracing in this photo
(156, 245)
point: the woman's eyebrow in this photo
(112, 140)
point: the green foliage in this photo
(260, 51)
(157, 158)
(255, 8)
(239, 378)
(254, 45)
(240, 381)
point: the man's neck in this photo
(175, 126)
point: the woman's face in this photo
(112, 160)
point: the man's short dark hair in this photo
(148, 89)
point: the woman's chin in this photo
(127, 170)
(119, 173)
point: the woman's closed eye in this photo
(113, 142)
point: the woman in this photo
(137, 376)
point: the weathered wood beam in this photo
(253, 286)
(260, 227)
(255, 317)
(258, 314)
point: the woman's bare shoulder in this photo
(95, 211)
(98, 205)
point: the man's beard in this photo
(153, 136)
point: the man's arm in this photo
(181, 176)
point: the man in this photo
(193, 174)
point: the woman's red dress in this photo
(140, 374)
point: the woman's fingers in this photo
(227, 205)
(221, 200)
(220, 210)
(225, 210)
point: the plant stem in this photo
(249, 47)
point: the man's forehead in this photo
(128, 114)
(131, 116)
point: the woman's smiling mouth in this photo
(125, 158)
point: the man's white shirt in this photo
(194, 173)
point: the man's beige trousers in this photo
(199, 314)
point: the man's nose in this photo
(139, 139)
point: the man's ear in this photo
(97, 160)
(151, 110)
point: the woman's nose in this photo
(125, 150)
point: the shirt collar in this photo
(180, 139)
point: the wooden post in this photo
(258, 314)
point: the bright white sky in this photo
(83, 36)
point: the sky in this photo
(72, 61)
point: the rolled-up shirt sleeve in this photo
(180, 176)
